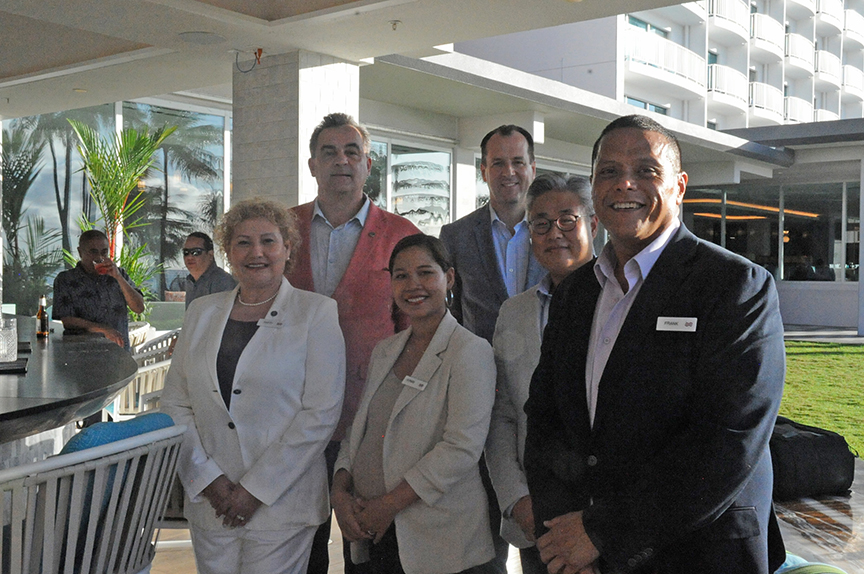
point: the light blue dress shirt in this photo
(331, 249)
(513, 251)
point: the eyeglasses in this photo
(541, 225)
(194, 252)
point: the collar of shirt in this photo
(544, 296)
(360, 216)
(207, 273)
(640, 265)
(501, 226)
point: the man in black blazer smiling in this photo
(659, 382)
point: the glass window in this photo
(376, 184)
(853, 232)
(186, 195)
(481, 189)
(639, 23)
(811, 232)
(41, 210)
(421, 186)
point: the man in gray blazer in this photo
(491, 251)
(490, 247)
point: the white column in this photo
(276, 107)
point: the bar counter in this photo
(67, 378)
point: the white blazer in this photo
(434, 439)
(517, 352)
(286, 401)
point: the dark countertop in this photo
(68, 378)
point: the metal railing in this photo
(728, 81)
(735, 11)
(766, 97)
(798, 110)
(828, 64)
(764, 27)
(853, 78)
(652, 50)
(830, 10)
(801, 49)
(854, 23)
(824, 116)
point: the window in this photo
(639, 23)
(646, 105)
(712, 57)
(811, 232)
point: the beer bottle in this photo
(42, 319)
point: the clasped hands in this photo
(566, 547)
(361, 519)
(232, 502)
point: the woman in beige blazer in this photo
(407, 490)
(257, 377)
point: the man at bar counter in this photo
(94, 295)
(660, 377)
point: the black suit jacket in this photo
(479, 290)
(675, 475)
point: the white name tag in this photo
(414, 383)
(685, 324)
(270, 323)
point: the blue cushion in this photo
(104, 433)
(797, 565)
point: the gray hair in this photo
(576, 184)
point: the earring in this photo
(449, 299)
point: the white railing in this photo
(824, 116)
(766, 97)
(830, 10)
(735, 11)
(798, 110)
(764, 27)
(828, 64)
(800, 48)
(854, 25)
(726, 80)
(853, 78)
(652, 50)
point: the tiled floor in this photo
(174, 554)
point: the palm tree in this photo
(188, 152)
(26, 274)
(21, 163)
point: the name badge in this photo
(683, 324)
(270, 323)
(414, 383)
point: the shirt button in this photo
(231, 426)
(236, 391)
(591, 460)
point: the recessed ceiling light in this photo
(201, 38)
(79, 90)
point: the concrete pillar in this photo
(277, 105)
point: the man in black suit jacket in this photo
(659, 382)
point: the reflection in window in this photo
(811, 232)
(376, 183)
(853, 232)
(421, 186)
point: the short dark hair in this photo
(645, 124)
(430, 243)
(90, 235)
(505, 131)
(208, 242)
(576, 184)
(337, 120)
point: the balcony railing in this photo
(764, 27)
(808, 4)
(828, 64)
(728, 81)
(652, 50)
(801, 49)
(735, 11)
(824, 116)
(798, 110)
(854, 26)
(830, 11)
(766, 97)
(853, 79)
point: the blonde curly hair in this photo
(257, 208)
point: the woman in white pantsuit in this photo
(258, 377)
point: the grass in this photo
(825, 388)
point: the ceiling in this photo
(64, 54)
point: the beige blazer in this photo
(286, 401)
(433, 440)
(517, 352)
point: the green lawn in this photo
(825, 388)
